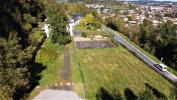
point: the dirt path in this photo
(64, 90)
(66, 83)
(67, 65)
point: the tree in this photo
(89, 19)
(90, 22)
(16, 23)
(58, 22)
(13, 68)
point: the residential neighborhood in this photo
(155, 12)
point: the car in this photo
(161, 67)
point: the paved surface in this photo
(141, 55)
(50, 94)
(76, 33)
(64, 90)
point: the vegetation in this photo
(89, 26)
(94, 1)
(90, 33)
(20, 37)
(77, 75)
(74, 8)
(90, 22)
(158, 41)
(123, 73)
(83, 34)
(58, 22)
(47, 70)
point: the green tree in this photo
(90, 22)
(16, 23)
(58, 22)
(13, 68)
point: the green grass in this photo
(148, 54)
(76, 71)
(117, 68)
(51, 56)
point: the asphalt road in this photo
(141, 55)
(76, 33)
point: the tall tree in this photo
(58, 22)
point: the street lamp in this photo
(161, 59)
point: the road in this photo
(141, 55)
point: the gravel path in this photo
(50, 94)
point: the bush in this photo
(47, 54)
(98, 24)
(83, 34)
(28, 27)
(63, 39)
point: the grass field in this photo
(49, 62)
(107, 70)
(148, 54)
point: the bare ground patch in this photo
(94, 44)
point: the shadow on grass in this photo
(36, 69)
(34, 78)
(129, 95)
(157, 93)
(103, 94)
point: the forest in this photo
(20, 37)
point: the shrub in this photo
(27, 27)
(83, 34)
(63, 39)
